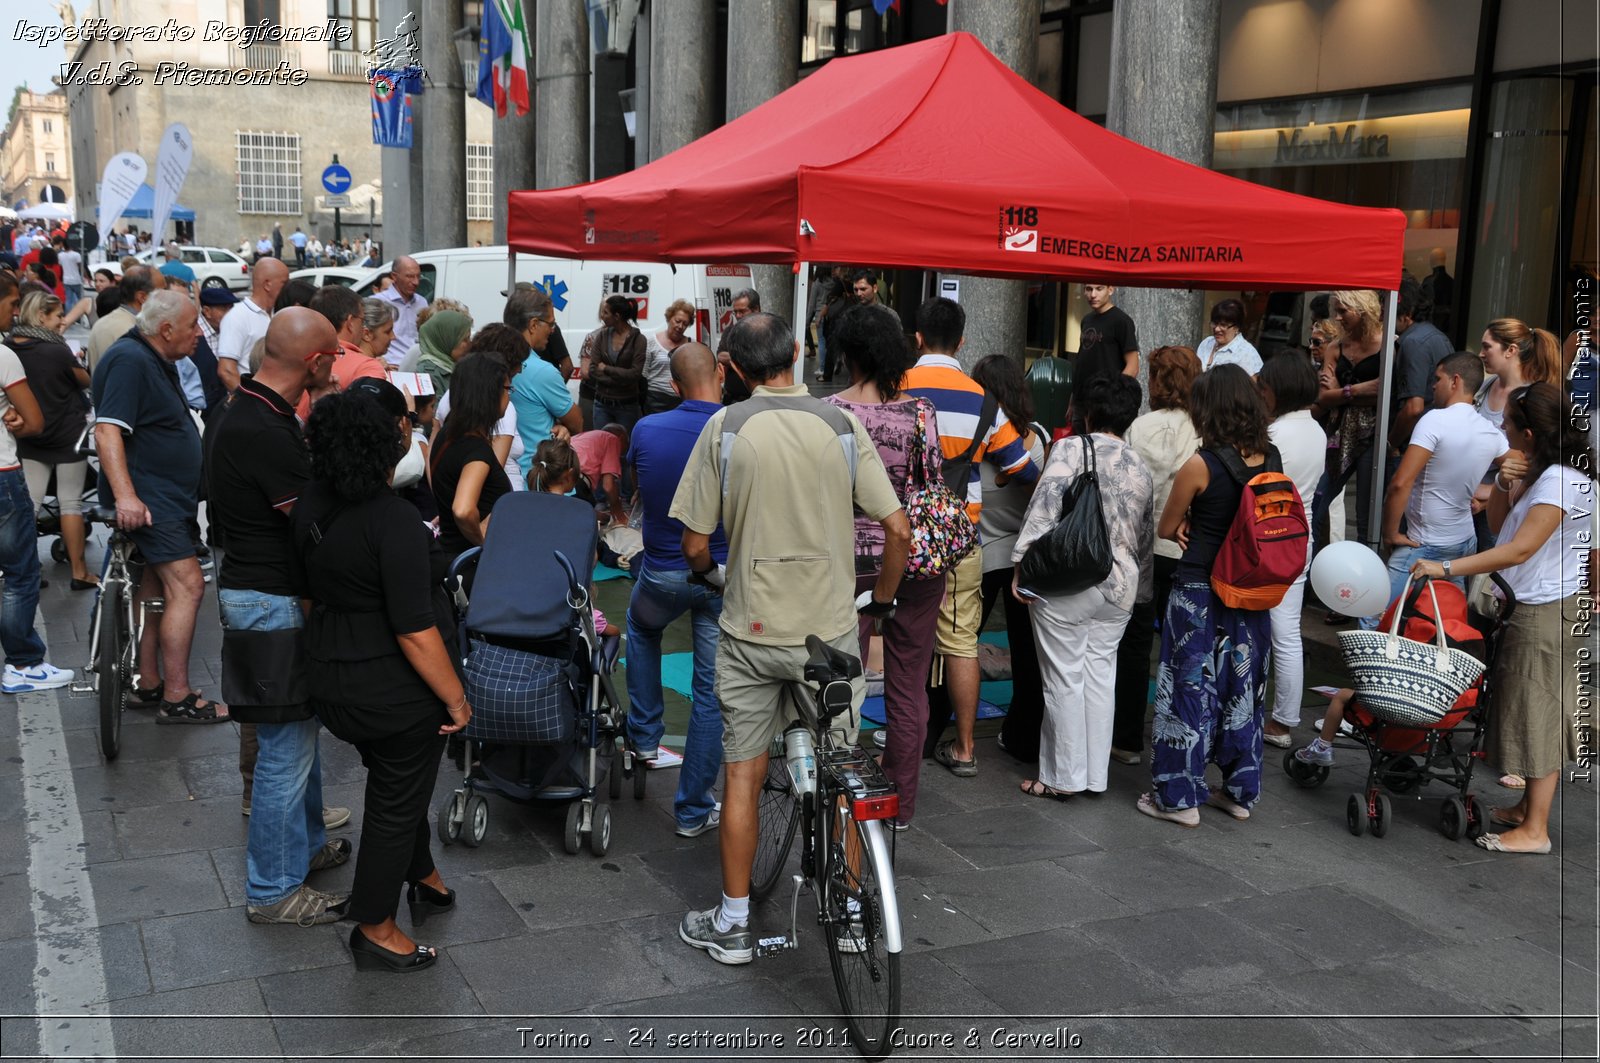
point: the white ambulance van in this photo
(477, 277)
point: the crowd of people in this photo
(337, 500)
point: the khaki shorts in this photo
(961, 612)
(753, 685)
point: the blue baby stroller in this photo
(546, 720)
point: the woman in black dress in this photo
(380, 676)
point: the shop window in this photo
(1516, 253)
(1404, 149)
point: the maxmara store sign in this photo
(1433, 135)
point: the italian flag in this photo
(503, 57)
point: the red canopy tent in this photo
(936, 155)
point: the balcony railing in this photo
(263, 56)
(347, 64)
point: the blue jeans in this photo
(19, 564)
(1404, 557)
(659, 598)
(286, 797)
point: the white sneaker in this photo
(664, 758)
(41, 676)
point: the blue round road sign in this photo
(336, 179)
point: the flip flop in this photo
(1183, 817)
(1218, 799)
(1493, 843)
(191, 710)
(1513, 782)
(1035, 788)
(944, 753)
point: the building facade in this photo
(268, 111)
(36, 151)
(1476, 118)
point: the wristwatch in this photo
(1447, 570)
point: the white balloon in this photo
(1351, 579)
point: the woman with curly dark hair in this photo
(613, 359)
(468, 476)
(1165, 439)
(1211, 684)
(380, 677)
(873, 344)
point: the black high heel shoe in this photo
(424, 901)
(371, 956)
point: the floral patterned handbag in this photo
(941, 532)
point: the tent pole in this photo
(802, 293)
(1380, 439)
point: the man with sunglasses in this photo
(256, 465)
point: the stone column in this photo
(680, 79)
(401, 225)
(764, 60)
(641, 80)
(441, 127)
(1170, 107)
(997, 310)
(562, 52)
(515, 143)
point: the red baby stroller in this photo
(1404, 758)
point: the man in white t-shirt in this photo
(407, 303)
(246, 324)
(1451, 448)
(71, 272)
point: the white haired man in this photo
(150, 472)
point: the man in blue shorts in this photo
(149, 453)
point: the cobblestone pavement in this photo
(121, 895)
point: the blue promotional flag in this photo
(494, 40)
(391, 105)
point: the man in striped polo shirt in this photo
(963, 417)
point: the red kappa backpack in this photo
(1264, 551)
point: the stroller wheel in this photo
(476, 823)
(571, 838)
(1403, 776)
(1453, 818)
(1382, 815)
(1355, 814)
(1477, 817)
(600, 832)
(58, 551)
(615, 782)
(1306, 776)
(451, 815)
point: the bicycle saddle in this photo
(827, 664)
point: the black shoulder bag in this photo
(1075, 554)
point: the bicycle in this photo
(846, 859)
(116, 627)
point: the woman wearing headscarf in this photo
(444, 339)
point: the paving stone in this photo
(214, 775)
(679, 1026)
(1576, 947)
(1281, 860)
(918, 853)
(361, 998)
(188, 826)
(133, 890)
(1189, 949)
(1023, 898)
(1430, 1018)
(560, 894)
(122, 785)
(1255, 1022)
(1576, 1040)
(16, 907)
(246, 1033)
(221, 946)
(498, 1038)
(1137, 877)
(559, 970)
(988, 839)
(1034, 973)
(1329, 925)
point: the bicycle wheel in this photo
(777, 816)
(111, 640)
(861, 917)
